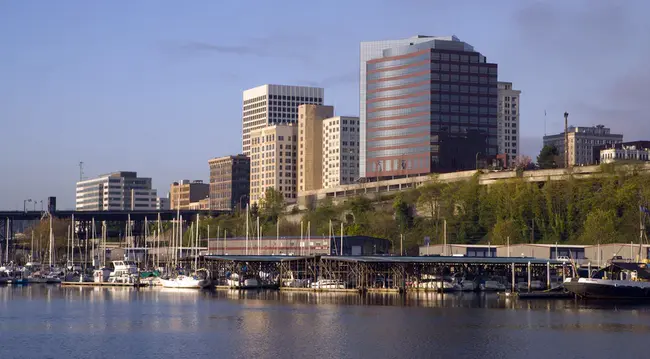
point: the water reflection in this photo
(269, 324)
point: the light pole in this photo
(41, 205)
(25, 204)
(476, 162)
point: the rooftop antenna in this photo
(544, 122)
(566, 140)
(81, 171)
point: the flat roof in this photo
(443, 259)
(253, 258)
(389, 259)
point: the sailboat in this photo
(54, 274)
(195, 281)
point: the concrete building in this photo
(229, 182)
(340, 151)
(310, 145)
(273, 161)
(200, 205)
(183, 193)
(315, 245)
(628, 151)
(274, 104)
(508, 121)
(430, 105)
(117, 191)
(581, 143)
(162, 203)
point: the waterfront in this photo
(57, 322)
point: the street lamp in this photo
(41, 205)
(25, 204)
(476, 162)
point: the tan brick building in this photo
(273, 161)
(189, 191)
(310, 148)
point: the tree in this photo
(599, 227)
(504, 230)
(272, 205)
(548, 157)
(402, 212)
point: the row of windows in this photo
(399, 82)
(426, 87)
(398, 142)
(386, 75)
(397, 62)
(398, 165)
(255, 99)
(398, 152)
(398, 102)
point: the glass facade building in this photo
(430, 106)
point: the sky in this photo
(155, 86)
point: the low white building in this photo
(117, 191)
(630, 153)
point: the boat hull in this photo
(608, 289)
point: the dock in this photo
(538, 295)
(378, 274)
(103, 284)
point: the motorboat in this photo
(440, 284)
(289, 280)
(492, 285)
(466, 284)
(328, 284)
(125, 272)
(243, 282)
(617, 281)
(195, 281)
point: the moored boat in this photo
(618, 281)
(195, 281)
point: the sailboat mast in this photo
(246, 229)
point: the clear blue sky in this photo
(155, 86)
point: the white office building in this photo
(340, 151)
(269, 105)
(581, 141)
(508, 130)
(117, 191)
(624, 153)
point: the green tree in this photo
(504, 230)
(272, 205)
(599, 227)
(402, 212)
(547, 157)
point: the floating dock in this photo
(104, 284)
(538, 295)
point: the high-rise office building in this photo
(429, 105)
(229, 182)
(340, 151)
(508, 120)
(371, 50)
(117, 191)
(274, 104)
(182, 194)
(582, 141)
(310, 145)
(273, 161)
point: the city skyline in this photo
(65, 81)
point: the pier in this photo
(380, 273)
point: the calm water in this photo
(54, 322)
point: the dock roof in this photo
(391, 259)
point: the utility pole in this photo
(566, 140)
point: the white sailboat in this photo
(195, 281)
